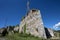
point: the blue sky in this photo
(13, 10)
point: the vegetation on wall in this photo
(22, 18)
(24, 28)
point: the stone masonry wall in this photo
(34, 24)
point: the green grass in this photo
(18, 36)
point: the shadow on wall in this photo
(47, 33)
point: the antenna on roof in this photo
(28, 8)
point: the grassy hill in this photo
(18, 36)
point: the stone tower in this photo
(32, 24)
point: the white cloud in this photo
(57, 25)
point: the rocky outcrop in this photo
(16, 29)
(9, 30)
(3, 31)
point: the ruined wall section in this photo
(34, 24)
